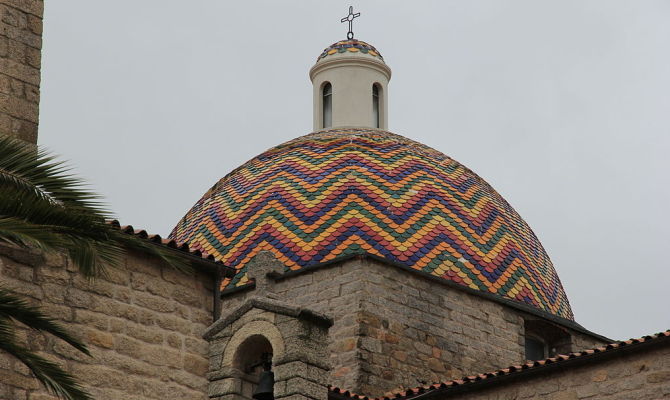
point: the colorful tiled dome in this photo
(352, 46)
(339, 192)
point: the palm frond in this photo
(43, 206)
(89, 250)
(56, 380)
(169, 256)
(22, 233)
(22, 169)
(15, 308)
(94, 256)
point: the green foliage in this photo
(59, 382)
(43, 206)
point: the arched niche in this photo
(297, 338)
(247, 349)
(252, 333)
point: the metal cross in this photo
(350, 19)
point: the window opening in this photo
(327, 101)
(534, 349)
(253, 360)
(375, 105)
(544, 339)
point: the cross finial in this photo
(350, 18)
(263, 269)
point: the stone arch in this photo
(251, 351)
(263, 329)
(297, 339)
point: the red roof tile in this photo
(171, 243)
(490, 376)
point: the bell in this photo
(265, 388)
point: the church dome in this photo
(350, 46)
(340, 192)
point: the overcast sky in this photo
(562, 106)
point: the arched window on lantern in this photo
(376, 108)
(327, 103)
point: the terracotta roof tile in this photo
(531, 365)
(171, 243)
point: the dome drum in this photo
(353, 73)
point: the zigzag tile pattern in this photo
(339, 192)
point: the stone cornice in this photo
(349, 62)
(271, 305)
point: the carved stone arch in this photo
(254, 328)
(297, 338)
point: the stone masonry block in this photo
(97, 286)
(154, 303)
(229, 397)
(224, 387)
(304, 387)
(122, 366)
(296, 397)
(187, 297)
(23, 73)
(189, 379)
(58, 311)
(178, 278)
(14, 379)
(100, 339)
(26, 289)
(658, 377)
(296, 369)
(146, 334)
(33, 7)
(35, 24)
(54, 269)
(255, 314)
(160, 356)
(196, 364)
(5, 81)
(128, 364)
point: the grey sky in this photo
(562, 106)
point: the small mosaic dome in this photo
(341, 192)
(351, 46)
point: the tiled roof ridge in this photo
(531, 365)
(158, 240)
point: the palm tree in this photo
(43, 206)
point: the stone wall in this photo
(419, 332)
(394, 329)
(295, 337)
(143, 325)
(336, 292)
(629, 376)
(20, 60)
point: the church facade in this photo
(350, 262)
